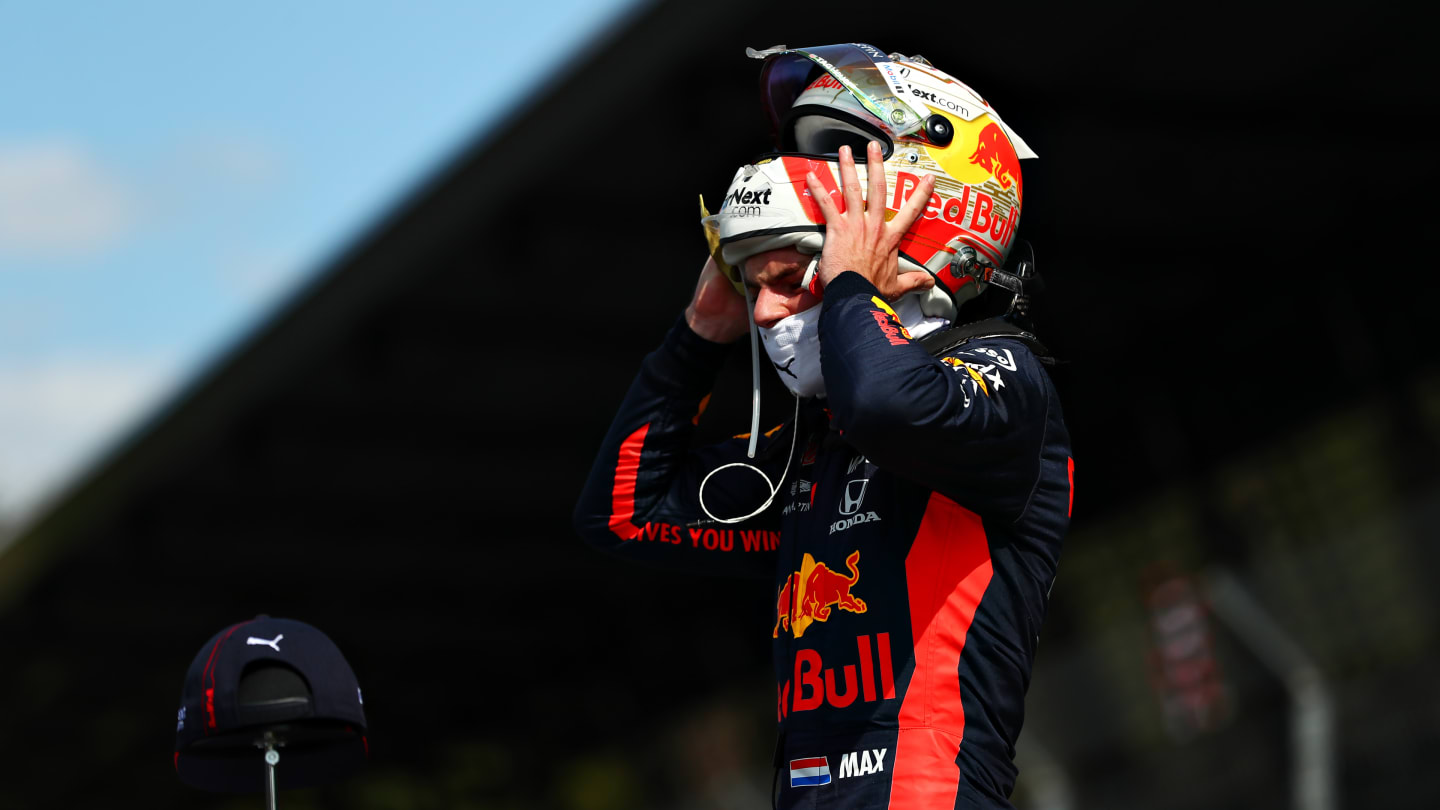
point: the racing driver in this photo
(912, 511)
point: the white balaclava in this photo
(793, 343)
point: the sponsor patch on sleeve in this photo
(889, 322)
(983, 373)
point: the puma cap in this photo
(268, 673)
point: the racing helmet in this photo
(927, 122)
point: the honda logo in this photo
(854, 496)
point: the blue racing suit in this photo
(913, 545)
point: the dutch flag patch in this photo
(809, 772)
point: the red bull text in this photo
(815, 685)
(983, 219)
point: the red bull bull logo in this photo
(811, 594)
(994, 154)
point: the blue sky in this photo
(169, 171)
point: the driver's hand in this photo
(717, 312)
(859, 238)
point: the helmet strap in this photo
(811, 280)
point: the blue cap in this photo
(275, 674)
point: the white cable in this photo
(774, 490)
(754, 373)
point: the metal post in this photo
(272, 758)
(1312, 712)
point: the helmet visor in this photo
(866, 71)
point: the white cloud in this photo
(56, 199)
(57, 416)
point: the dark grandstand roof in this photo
(394, 455)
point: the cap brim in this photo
(235, 769)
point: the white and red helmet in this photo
(926, 121)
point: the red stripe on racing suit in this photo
(947, 570)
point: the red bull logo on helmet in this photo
(813, 593)
(994, 154)
(826, 82)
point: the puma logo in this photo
(786, 368)
(273, 644)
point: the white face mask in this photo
(793, 343)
